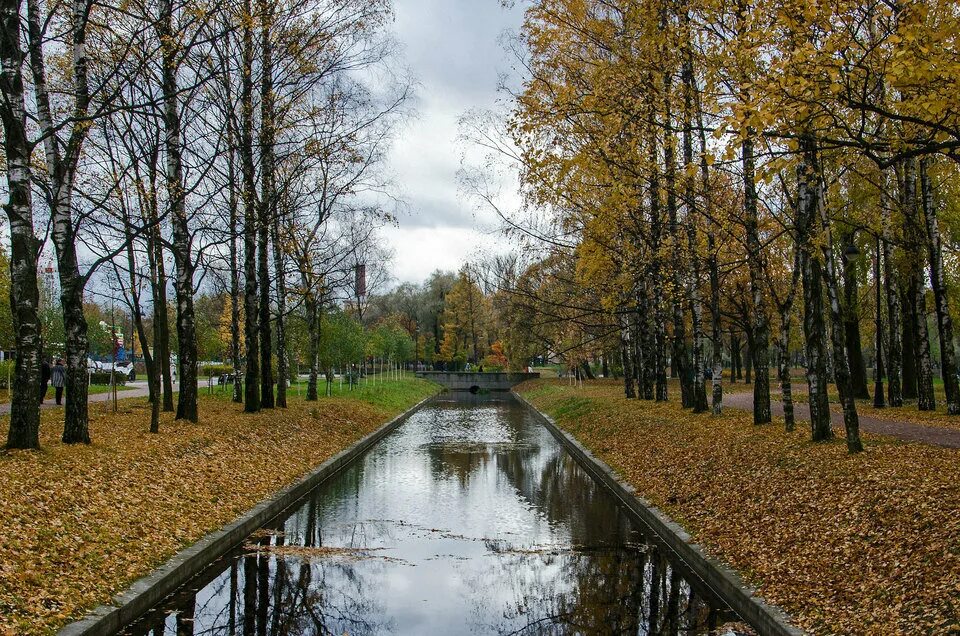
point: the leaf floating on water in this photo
(309, 553)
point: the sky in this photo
(453, 49)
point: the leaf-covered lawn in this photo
(865, 544)
(81, 523)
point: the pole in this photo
(113, 347)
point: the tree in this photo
(24, 244)
(465, 320)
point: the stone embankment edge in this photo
(147, 592)
(725, 583)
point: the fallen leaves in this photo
(864, 544)
(80, 523)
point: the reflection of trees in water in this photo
(261, 594)
(604, 578)
(602, 587)
(607, 591)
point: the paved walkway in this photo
(139, 389)
(936, 435)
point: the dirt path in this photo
(935, 435)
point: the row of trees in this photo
(232, 143)
(456, 319)
(705, 169)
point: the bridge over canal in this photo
(474, 382)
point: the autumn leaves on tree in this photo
(704, 165)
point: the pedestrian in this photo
(57, 377)
(44, 378)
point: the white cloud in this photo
(419, 251)
(452, 48)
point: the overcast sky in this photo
(453, 49)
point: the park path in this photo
(139, 390)
(935, 435)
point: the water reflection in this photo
(470, 518)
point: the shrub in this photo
(103, 377)
(211, 370)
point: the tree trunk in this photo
(878, 372)
(748, 360)
(925, 397)
(658, 368)
(760, 338)
(660, 353)
(234, 205)
(815, 333)
(735, 361)
(918, 372)
(908, 300)
(851, 420)
(894, 346)
(280, 274)
(948, 359)
(712, 265)
(783, 357)
(267, 203)
(851, 324)
(76, 422)
(61, 171)
(625, 357)
(250, 301)
(158, 276)
(183, 259)
(24, 294)
(313, 335)
(161, 322)
(153, 378)
(698, 388)
(680, 365)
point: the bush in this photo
(103, 377)
(211, 370)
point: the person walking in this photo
(57, 377)
(44, 378)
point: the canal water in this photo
(470, 518)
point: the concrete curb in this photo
(145, 593)
(722, 580)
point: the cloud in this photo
(452, 48)
(418, 251)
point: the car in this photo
(126, 368)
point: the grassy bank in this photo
(81, 523)
(865, 544)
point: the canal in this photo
(470, 518)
